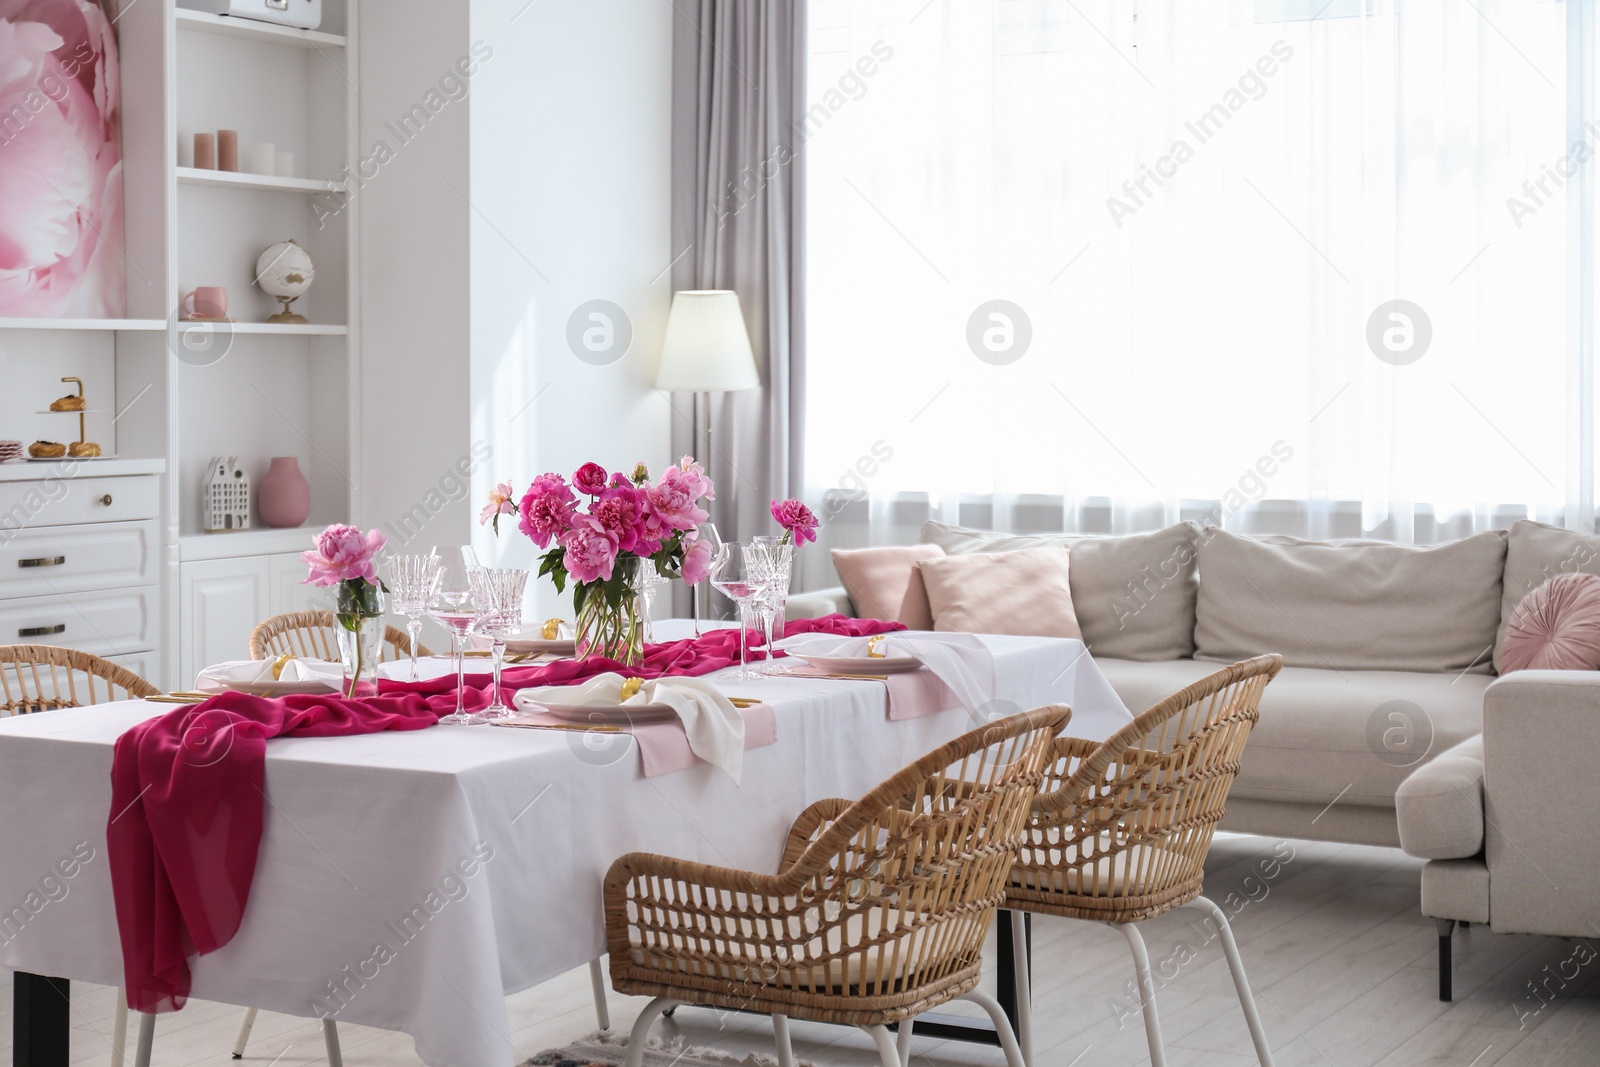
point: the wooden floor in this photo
(1343, 964)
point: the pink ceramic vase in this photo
(285, 496)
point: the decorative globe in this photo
(285, 271)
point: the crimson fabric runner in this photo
(188, 789)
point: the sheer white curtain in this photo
(1198, 207)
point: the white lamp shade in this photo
(707, 348)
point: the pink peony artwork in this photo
(60, 161)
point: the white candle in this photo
(286, 165)
(263, 159)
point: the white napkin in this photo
(713, 725)
(220, 677)
(961, 661)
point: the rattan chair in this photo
(313, 635)
(1121, 831)
(877, 913)
(44, 677)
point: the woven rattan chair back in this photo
(880, 909)
(44, 677)
(312, 635)
(1122, 828)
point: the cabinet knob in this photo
(106, 500)
(42, 631)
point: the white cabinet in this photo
(220, 601)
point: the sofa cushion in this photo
(1023, 592)
(1133, 594)
(883, 583)
(1350, 605)
(1535, 552)
(1440, 807)
(1555, 628)
(1351, 735)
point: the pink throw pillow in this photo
(884, 583)
(1023, 592)
(1555, 628)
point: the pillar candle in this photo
(205, 151)
(228, 150)
(263, 159)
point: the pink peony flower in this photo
(590, 479)
(696, 561)
(343, 553)
(621, 510)
(796, 519)
(674, 499)
(699, 481)
(591, 550)
(60, 161)
(499, 504)
(546, 509)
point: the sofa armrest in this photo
(1541, 786)
(819, 602)
(1440, 807)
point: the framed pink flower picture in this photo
(60, 161)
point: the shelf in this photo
(22, 471)
(250, 29)
(264, 542)
(284, 329)
(83, 324)
(91, 411)
(241, 180)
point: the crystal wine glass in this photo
(737, 575)
(707, 532)
(769, 560)
(507, 587)
(460, 601)
(410, 582)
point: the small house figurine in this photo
(227, 495)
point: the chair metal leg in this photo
(1446, 928)
(597, 979)
(330, 1038)
(147, 1038)
(1019, 941)
(780, 1034)
(119, 1030)
(243, 1039)
(1002, 1026)
(641, 1029)
(1147, 992)
(1247, 1000)
(902, 1041)
(888, 1054)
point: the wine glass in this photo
(460, 601)
(770, 561)
(736, 574)
(410, 582)
(507, 587)
(707, 532)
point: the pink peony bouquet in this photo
(590, 523)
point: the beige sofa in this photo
(1506, 820)
(1389, 649)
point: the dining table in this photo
(411, 881)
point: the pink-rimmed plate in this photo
(273, 689)
(610, 714)
(861, 664)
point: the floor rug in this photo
(601, 1049)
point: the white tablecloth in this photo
(411, 881)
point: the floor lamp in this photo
(706, 350)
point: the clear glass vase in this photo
(359, 628)
(611, 615)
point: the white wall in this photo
(571, 128)
(415, 275)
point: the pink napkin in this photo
(910, 695)
(664, 747)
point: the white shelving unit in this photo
(163, 401)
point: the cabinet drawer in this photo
(145, 664)
(105, 623)
(57, 501)
(52, 560)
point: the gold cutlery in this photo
(847, 677)
(744, 702)
(173, 700)
(597, 729)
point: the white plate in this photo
(612, 714)
(560, 646)
(60, 459)
(274, 689)
(861, 664)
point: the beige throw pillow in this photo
(883, 583)
(1024, 592)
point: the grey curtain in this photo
(738, 200)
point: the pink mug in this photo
(206, 302)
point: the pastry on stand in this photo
(47, 450)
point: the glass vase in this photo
(360, 642)
(611, 615)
